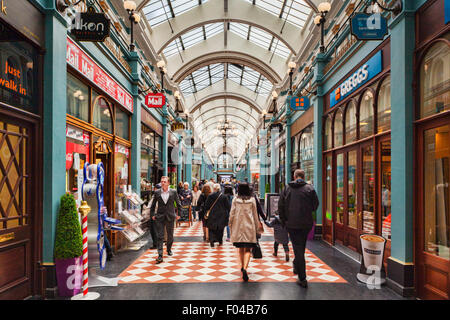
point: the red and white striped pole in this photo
(85, 255)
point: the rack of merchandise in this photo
(129, 208)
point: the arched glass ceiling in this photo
(242, 75)
(251, 33)
(295, 12)
(159, 11)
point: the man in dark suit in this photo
(165, 215)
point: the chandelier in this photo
(225, 129)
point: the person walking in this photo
(195, 196)
(244, 226)
(280, 234)
(179, 187)
(297, 202)
(165, 215)
(206, 191)
(219, 207)
(151, 222)
(186, 199)
(229, 193)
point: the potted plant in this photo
(68, 248)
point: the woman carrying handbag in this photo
(245, 226)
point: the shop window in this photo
(366, 115)
(307, 154)
(350, 123)
(122, 124)
(352, 181)
(77, 98)
(294, 145)
(386, 189)
(384, 106)
(328, 135)
(436, 191)
(102, 117)
(338, 129)
(435, 80)
(340, 188)
(329, 188)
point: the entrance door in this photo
(103, 153)
(16, 212)
(433, 211)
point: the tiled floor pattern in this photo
(196, 230)
(197, 262)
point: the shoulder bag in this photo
(209, 211)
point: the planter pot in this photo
(69, 274)
(311, 233)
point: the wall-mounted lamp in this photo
(62, 5)
(292, 65)
(134, 17)
(274, 98)
(163, 70)
(376, 7)
(320, 20)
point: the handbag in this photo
(209, 211)
(256, 251)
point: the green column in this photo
(135, 160)
(317, 104)
(54, 127)
(165, 149)
(262, 162)
(287, 162)
(402, 117)
(202, 167)
(247, 159)
(188, 157)
(274, 164)
(180, 160)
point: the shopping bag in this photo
(256, 251)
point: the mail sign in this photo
(155, 100)
(366, 72)
(299, 103)
(368, 26)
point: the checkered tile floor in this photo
(197, 262)
(196, 230)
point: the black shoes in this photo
(159, 260)
(295, 270)
(212, 244)
(169, 252)
(274, 254)
(302, 283)
(244, 275)
(287, 257)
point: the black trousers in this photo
(152, 227)
(160, 225)
(285, 247)
(298, 238)
(216, 235)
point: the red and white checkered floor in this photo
(197, 262)
(196, 230)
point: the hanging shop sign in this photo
(366, 72)
(81, 62)
(366, 26)
(299, 103)
(177, 127)
(90, 26)
(447, 11)
(155, 100)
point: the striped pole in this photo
(85, 256)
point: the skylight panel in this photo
(159, 11)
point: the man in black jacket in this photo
(295, 207)
(165, 215)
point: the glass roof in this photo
(160, 11)
(242, 75)
(295, 12)
(260, 38)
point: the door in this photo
(16, 211)
(103, 153)
(433, 211)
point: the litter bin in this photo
(371, 271)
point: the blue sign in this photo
(366, 72)
(368, 26)
(447, 11)
(299, 103)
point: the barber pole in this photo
(85, 256)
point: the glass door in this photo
(367, 188)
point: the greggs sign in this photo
(366, 72)
(81, 62)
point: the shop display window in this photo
(340, 188)
(329, 188)
(384, 106)
(121, 171)
(77, 98)
(328, 135)
(350, 123)
(338, 130)
(294, 144)
(435, 81)
(307, 153)
(122, 124)
(101, 114)
(366, 115)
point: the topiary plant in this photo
(69, 241)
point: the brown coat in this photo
(244, 221)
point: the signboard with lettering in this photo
(366, 26)
(366, 72)
(81, 62)
(447, 11)
(299, 103)
(90, 26)
(155, 100)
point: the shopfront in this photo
(357, 153)
(151, 157)
(432, 119)
(98, 126)
(21, 61)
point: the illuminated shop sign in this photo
(366, 72)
